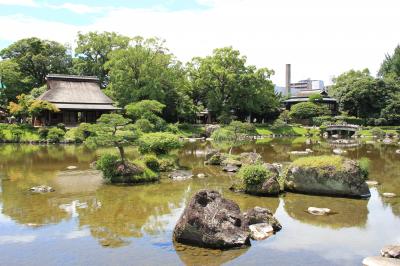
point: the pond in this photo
(86, 222)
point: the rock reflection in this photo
(346, 212)
(200, 256)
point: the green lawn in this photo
(286, 130)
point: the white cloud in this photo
(319, 38)
(18, 2)
(16, 239)
(78, 8)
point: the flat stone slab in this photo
(230, 168)
(372, 182)
(180, 175)
(391, 251)
(388, 195)
(41, 189)
(380, 261)
(318, 211)
(261, 231)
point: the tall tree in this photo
(360, 94)
(147, 71)
(391, 65)
(93, 50)
(224, 83)
(36, 58)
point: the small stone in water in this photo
(72, 167)
(388, 195)
(392, 251)
(41, 189)
(372, 183)
(201, 175)
(261, 231)
(318, 211)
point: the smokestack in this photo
(288, 92)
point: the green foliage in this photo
(315, 98)
(364, 164)
(278, 123)
(322, 120)
(224, 83)
(320, 162)
(253, 175)
(223, 135)
(151, 162)
(306, 110)
(55, 134)
(35, 58)
(144, 125)
(158, 142)
(390, 67)
(93, 50)
(107, 164)
(149, 110)
(36, 92)
(43, 131)
(16, 133)
(172, 129)
(112, 130)
(61, 126)
(147, 71)
(2, 134)
(378, 132)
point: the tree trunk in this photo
(122, 153)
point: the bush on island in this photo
(158, 143)
(55, 134)
(116, 171)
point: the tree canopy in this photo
(224, 84)
(93, 50)
(391, 65)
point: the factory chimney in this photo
(288, 92)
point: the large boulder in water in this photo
(259, 215)
(211, 221)
(327, 175)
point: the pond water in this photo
(86, 222)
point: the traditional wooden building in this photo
(79, 99)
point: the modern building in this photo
(79, 99)
(301, 91)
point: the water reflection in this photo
(346, 212)
(84, 208)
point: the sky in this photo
(320, 38)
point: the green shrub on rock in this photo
(55, 134)
(151, 162)
(259, 179)
(116, 171)
(158, 143)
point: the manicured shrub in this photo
(83, 131)
(2, 135)
(320, 161)
(144, 125)
(151, 162)
(158, 142)
(378, 132)
(55, 134)
(253, 175)
(172, 128)
(306, 110)
(349, 120)
(61, 126)
(16, 133)
(223, 134)
(321, 120)
(43, 131)
(107, 164)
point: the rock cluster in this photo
(41, 189)
(211, 221)
(390, 256)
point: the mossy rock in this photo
(258, 180)
(327, 175)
